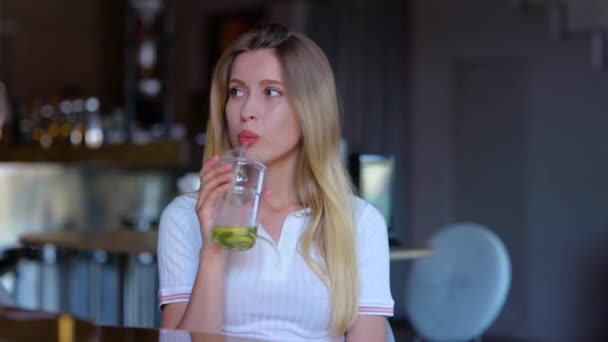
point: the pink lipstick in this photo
(247, 137)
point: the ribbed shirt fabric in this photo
(270, 292)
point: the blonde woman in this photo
(319, 270)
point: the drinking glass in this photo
(236, 218)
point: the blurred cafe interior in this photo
(472, 113)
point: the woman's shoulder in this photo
(370, 228)
(180, 209)
(179, 227)
(184, 201)
(367, 216)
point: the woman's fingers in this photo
(215, 181)
(206, 207)
(212, 161)
(213, 178)
(210, 182)
(214, 172)
(212, 185)
(213, 196)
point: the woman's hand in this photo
(215, 181)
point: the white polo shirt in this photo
(270, 292)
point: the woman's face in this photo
(258, 110)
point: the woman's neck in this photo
(282, 184)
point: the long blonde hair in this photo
(322, 183)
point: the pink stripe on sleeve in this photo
(376, 309)
(175, 296)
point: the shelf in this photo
(156, 154)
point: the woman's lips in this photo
(248, 137)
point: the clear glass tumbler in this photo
(235, 225)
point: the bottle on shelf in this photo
(148, 81)
(93, 136)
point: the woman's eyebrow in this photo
(269, 81)
(262, 82)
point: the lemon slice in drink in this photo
(235, 237)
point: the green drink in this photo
(236, 238)
(235, 225)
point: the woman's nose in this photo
(250, 110)
(248, 116)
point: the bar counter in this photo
(153, 154)
(132, 242)
(134, 255)
(85, 198)
(28, 325)
(124, 241)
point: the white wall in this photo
(554, 214)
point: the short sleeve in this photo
(374, 262)
(179, 243)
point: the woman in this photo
(319, 269)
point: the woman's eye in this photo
(272, 92)
(235, 92)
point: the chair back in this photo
(458, 292)
(390, 337)
(5, 298)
